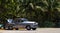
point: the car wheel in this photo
(28, 27)
(33, 28)
(16, 28)
(6, 28)
(10, 28)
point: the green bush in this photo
(47, 24)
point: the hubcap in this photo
(28, 27)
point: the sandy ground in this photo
(39, 30)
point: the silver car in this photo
(21, 22)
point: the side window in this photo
(21, 20)
(18, 20)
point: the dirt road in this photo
(39, 30)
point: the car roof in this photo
(20, 18)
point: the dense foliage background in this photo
(45, 12)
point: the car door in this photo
(21, 24)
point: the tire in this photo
(33, 28)
(8, 28)
(16, 28)
(28, 27)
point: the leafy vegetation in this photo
(34, 10)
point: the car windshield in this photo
(23, 19)
(9, 20)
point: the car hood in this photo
(29, 22)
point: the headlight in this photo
(35, 24)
